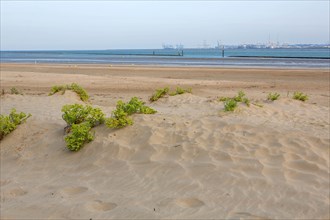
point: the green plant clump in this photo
(120, 119)
(246, 101)
(159, 94)
(56, 89)
(15, 91)
(9, 123)
(180, 91)
(80, 91)
(80, 120)
(76, 114)
(74, 87)
(162, 92)
(80, 134)
(230, 105)
(300, 96)
(239, 98)
(223, 99)
(273, 96)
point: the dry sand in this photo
(189, 161)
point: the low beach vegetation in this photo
(8, 123)
(180, 91)
(240, 97)
(76, 114)
(223, 99)
(273, 96)
(74, 87)
(15, 91)
(246, 101)
(300, 96)
(58, 88)
(80, 120)
(79, 135)
(80, 91)
(159, 93)
(230, 105)
(120, 116)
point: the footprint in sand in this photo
(245, 215)
(4, 182)
(17, 192)
(71, 191)
(189, 202)
(101, 206)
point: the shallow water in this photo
(301, 58)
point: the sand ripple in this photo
(187, 161)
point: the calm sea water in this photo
(304, 58)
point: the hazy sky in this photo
(33, 25)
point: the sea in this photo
(274, 58)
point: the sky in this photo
(70, 25)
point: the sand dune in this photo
(189, 161)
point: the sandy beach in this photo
(190, 160)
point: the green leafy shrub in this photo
(239, 98)
(9, 123)
(223, 99)
(147, 110)
(162, 92)
(137, 106)
(56, 89)
(300, 96)
(80, 120)
(76, 114)
(80, 134)
(120, 119)
(246, 101)
(80, 91)
(273, 96)
(230, 105)
(180, 91)
(159, 94)
(74, 87)
(15, 91)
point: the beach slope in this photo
(191, 160)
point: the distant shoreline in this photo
(152, 66)
(282, 57)
(190, 58)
